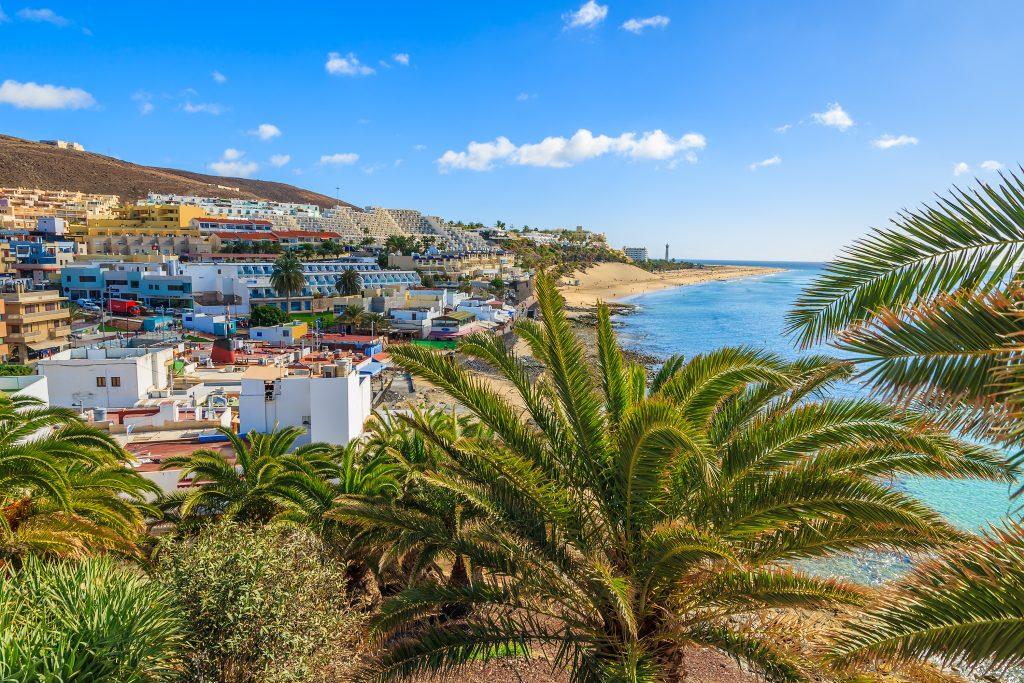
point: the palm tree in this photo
(417, 532)
(287, 278)
(348, 283)
(376, 323)
(65, 487)
(618, 523)
(352, 315)
(930, 307)
(307, 493)
(244, 486)
(95, 620)
(931, 310)
(965, 607)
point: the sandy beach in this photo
(613, 281)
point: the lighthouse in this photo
(666, 252)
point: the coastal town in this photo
(164, 319)
(532, 342)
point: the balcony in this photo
(38, 316)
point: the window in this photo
(115, 381)
(101, 381)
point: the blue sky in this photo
(383, 101)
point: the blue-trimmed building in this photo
(249, 283)
(145, 282)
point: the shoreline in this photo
(614, 282)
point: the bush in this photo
(94, 620)
(261, 604)
(261, 316)
(16, 370)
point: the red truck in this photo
(124, 307)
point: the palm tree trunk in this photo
(459, 578)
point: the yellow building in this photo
(139, 230)
(5, 351)
(38, 323)
(173, 217)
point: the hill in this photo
(24, 163)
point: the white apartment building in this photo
(638, 254)
(492, 310)
(234, 208)
(105, 377)
(249, 283)
(331, 406)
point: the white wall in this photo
(35, 386)
(332, 410)
(72, 381)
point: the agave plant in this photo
(93, 620)
(65, 487)
(244, 486)
(616, 523)
(931, 307)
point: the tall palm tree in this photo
(244, 486)
(931, 308)
(286, 277)
(618, 523)
(65, 487)
(348, 283)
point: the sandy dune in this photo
(611, 281)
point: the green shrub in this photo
(95, 620)
(16, 370)
(262, 316)
(261, 604)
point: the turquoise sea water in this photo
(699, 318)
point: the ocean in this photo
(751, 312)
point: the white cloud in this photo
(36, 96)
(889, 141)
(3, 16)
(526, 96)
(203, 108)
(589, 15)
(346, 65)
(637, 26)
(280, 160)
(561, 152)
(783, 128)
(834, 117)
(401, 58)
(770, 161)
(218, 77)
(340, 159)
(43, 14)
(231, 164)
(961, 168)
(419, 148)
(266, 131)
(145, 101)
(991, 165)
